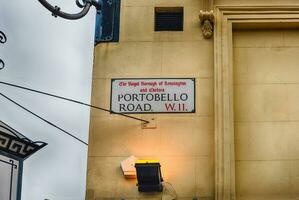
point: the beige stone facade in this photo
(266, 93)
(243, 141)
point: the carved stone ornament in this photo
(207, 19)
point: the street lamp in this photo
(84, 4)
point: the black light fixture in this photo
(149, 176)
(84, 4)
(2, 41)
(107, 17)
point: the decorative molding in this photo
(18, 147)
(207, 19)
(228, 18)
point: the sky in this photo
(56, 56)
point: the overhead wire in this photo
(63, 98)
(72, 100)
(43, 119)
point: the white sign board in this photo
(152, 95)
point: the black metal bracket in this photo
(13, 166)
(84, 4)
(3, 39)
(9, 163)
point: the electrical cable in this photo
(12, 130)
(72, 100)
(174, 193)
(43, 119)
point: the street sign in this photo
(153, 95)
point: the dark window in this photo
(169, 18)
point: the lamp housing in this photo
(149, 176)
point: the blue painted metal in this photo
(20, 180)
(107, 22)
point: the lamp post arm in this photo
(3, 39)
(57, 12)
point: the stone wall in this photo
(266, 96)
(183, 143)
